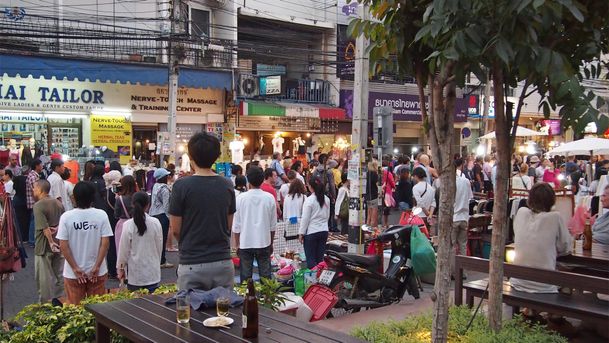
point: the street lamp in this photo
(413, 151)
(395, 151)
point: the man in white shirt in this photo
(424, 194)
(84, 237)
(254, 227)
(463, 195)
(58, 187)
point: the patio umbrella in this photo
(520, 132)
(586, 146)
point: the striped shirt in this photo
(31, 179)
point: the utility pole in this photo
(173, 71)
(359, 135)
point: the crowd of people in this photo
(114, 225)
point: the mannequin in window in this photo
(107, 153)
(278, 144)
(236, 149)
(300, 145)
(12, 147)
(27, 157)
(185, 165)
(4, 155)
(261, 143)
(36, 148)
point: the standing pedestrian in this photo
(32, 177)
(58, 188)
(48, 262)
(240, 185)
(69, 186)
(341, 209)
(159, 207)
(254, 227)
(139, 255)
(7, 181)
(84, 234)
(292, 205)
(201, 214)
(424, 195)
(313, 231)
(463, 195)
(122, 205)
(372, 194)
(277, 166)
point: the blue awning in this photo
(61, 68)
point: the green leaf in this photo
(523, 4)
(422, 33)
(504, 51)
(427, 13)
(573, 9)
(538, 3)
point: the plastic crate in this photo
(320, 299)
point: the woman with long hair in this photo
(294, 200)
(240, 185)
(372, 194)
(89, 167)
(313, 231)
(122, 206)
(141, 245)
(159, 207)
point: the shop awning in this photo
(289, 109)
(329, 112)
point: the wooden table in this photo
(148, 319)
(593, 262)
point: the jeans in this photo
(262, 256)
(315, 247)
(165, 225)
(32, 231)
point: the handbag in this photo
(10, 258)
(389, 200)
(343, 213)
(422, 254)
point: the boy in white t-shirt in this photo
(83, 235)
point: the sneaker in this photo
(167, 265)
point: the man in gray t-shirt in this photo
(201, 212)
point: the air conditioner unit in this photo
(248, 85)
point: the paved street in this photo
(22, 290)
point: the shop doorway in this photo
(144, 144)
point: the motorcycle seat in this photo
(364, 260)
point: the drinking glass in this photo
(222, 306)
(183, 308)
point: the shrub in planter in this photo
(47, 323)
(418, 329)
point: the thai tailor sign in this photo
(31, 94)
(406, 107)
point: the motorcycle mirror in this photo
(416, 211)
(366, 228)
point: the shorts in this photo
(374, 203)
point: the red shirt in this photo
(270, 189)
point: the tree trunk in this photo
(441, 134)
(500, 225)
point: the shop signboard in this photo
(345, 50)
(262, 123)
(69, 96)
(406, 107)
(113, 132)
(551, 126)
(270, 69)
(270, 85)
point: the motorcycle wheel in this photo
(342, 287)
(412, 286)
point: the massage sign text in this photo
(18, 93)
(113, 132)
(189, 101)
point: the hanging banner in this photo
(113, 132)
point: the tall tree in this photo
(539, 44)
(396, 35)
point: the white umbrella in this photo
(586, 146)
(520, 132)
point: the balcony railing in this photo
(37, 34)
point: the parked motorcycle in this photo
(356, 280)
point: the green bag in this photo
(343, 213)
(421, 253)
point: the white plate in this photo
(215, 322)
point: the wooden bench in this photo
(577, 305)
